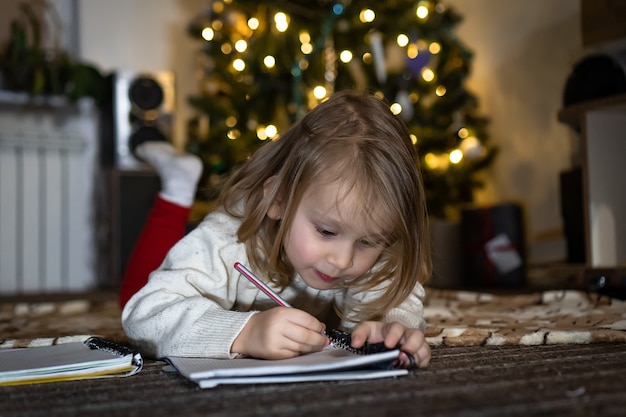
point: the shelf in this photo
(574, 114)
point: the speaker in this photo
(596, 76)
(141, 108)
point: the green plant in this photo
(26, 66)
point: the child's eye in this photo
(324, 232)
(368, 243)
(373, 242)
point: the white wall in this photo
(144, 35)
(524, 51)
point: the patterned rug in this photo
(455, 318)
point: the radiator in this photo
(48, 157)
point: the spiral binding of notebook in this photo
(343, 340)
(113, 348)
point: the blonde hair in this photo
(357, 139)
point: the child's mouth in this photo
(325, 278)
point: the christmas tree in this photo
(264, 64)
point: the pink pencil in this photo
(260, 284)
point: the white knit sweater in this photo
(196, 303)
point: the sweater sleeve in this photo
(409, 313)
(187, 308)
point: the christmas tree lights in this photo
(264, 64)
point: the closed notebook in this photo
(93, 358)
(331, 363)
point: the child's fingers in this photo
(306, 340)
(376, 332)
(414, 343)
(280, 333)
(303, 330)
(395, 334)
(366, 331)
(303, 319)
(422, 358)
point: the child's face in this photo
(328, 243)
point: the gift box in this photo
(492, 246)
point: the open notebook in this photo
(330, 364)
(93, 358)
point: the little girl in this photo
(332, 216)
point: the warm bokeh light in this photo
(456, 156)
(428, 74)
(345, 56)
(226, 48)
(304, 37)
(472, 148)
(241, 45)
(266, 132)
(367, 15)
(269, 61)
(233, 134)
(434, 48)
(469, 143)
(319, 92)
(231, 121)
(396, 108)
(208, 34)
(402, 40)
(218, 7)
(271, 131)
(431, 161)
(253, 23)
(435, 162)
(281, 20)
(422, 11)
(239, 64)
(306, 48)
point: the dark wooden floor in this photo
(563, 380)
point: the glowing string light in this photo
(422, 11)
(428, 74)
(253, 23)
(239, 64)
(402, 40)
(367, 16)
(345, 56)
(241, 45)
(281, 21)
(269, 61)
(208, 34)
(456, 156)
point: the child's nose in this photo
(341, 256)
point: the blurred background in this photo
(503, 154)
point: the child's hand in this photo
(394, 335)
(280, 333)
